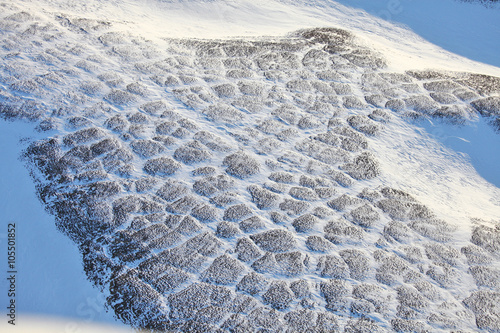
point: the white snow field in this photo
(252, 166)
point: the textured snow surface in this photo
(278, 184)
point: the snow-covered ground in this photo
(451, 169)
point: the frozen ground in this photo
(305, 180)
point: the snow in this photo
(451, 169)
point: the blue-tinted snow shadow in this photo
(467, 29)
(50, 281)
(477, 140)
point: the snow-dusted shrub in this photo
(223, 270)
(343, 202)
(408, 325)
(487, 106)
(91, 88)
(309, 123)
(279, 296)
(150, 232)
(398, 231)
(251, 88)
(290, 264)
(146, 148)
(373, 294)
(227, 229)
(476, 255)
(390, 269)
(252, 224)
(253, 283)
(366, 59)
(186, 303)
(225, 90)
(265, 319)
(78, 122)
(442, 86)
(442, 253)
(223, 113)
(162, 166)
(133, 300)
(170, 280)
(486, 237)
(205, 244)
(336, 293)
(305, 223)
(275, 240)
(104, 146)
(443, 98)
(154, 107)
(350, 139)
(332, 266)
(120, 97)
(191, 152)
(363, 124)
(376, 100)
(83, 136)
(299, 85)
(486, 276)
(278, 218)
(380, 115)
(204, 171)
(288, 114)
(263, 198)
(300, 320)
(364, 166)
(136, 131)
(181, 133)
(170, 81)
(358, 262)
(434, 229)
(239, 74)
(395, 105)
(271, 126)
(117, 158)
(319, 244)
(365, 215)
(294, 207)
(282, 177)
(138, 118)
(237, 212)
(188, 226)
(212, 141)
(208, 186)
(183, 205)
(189, 79)
(117, 123)
(341, 88)
(369, 195)
(316, 59)
(421, 103)
(247, 250)
(341, 231)
(267, 146)
(353, 102)
(409, 296)
(205, 213)
(146, 184)
(485, 305)
(137, 89)
(465, 94)
(224, 199)
(444, 274)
